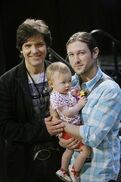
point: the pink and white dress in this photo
(58, 100)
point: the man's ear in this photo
(95, 52)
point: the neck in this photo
(89, 75)
(35, 70)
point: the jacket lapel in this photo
(22, 80)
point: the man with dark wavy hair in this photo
(31, 154)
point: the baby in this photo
(67, 104)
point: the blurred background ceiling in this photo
(64, 18)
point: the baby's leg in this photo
(62, 173)
(83, 155)
(66, 159)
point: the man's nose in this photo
(76, 58)
(34, 49)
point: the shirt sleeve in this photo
(104, 117)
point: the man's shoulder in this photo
(75, 80)
(12, 73)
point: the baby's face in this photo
(62, 82)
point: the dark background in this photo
(64, 18)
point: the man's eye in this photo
(70, 55)
(40, 44)
(27, 45)
(81, 53)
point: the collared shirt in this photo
(101, 117)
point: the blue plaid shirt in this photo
(101, 117)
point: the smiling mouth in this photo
(78, 66)
(36, 57)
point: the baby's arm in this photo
(54, 113)
(70, 111)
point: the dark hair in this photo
(29, 28)
(83, 37)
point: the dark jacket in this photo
(18, 131)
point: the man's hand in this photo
(71, 143)
(54, 126)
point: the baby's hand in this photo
(75, 92)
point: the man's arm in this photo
(55, 127)
(73, 130)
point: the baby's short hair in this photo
(59, 67)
